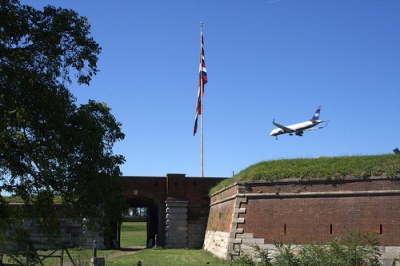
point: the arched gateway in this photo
(178, 207)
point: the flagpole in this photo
(202, 112)
(201, 136)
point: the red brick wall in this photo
(314, 211)
(177, 186)
(306, 220)
(220, 217)
(197, 189)
(224, 194)
(173, 186)
(148, 187)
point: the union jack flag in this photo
(202, 81)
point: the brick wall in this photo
(144, 191)
(222, 225)
(305, 220)
(299, 213)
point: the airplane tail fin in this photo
(316, 114)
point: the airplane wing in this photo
(316, 128)
(286, 129)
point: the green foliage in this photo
(356, 249)
(285, 256)
(327, 167)
(239, 258)
(46, 44)
(243, 260)
(316, 255)
(362, 249)
(262, 255)
(52, 149)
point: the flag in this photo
(202, 81)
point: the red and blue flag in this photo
(202, 81)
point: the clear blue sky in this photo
(265, 59)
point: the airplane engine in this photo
(299, 133)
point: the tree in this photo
(50, 147)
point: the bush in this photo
(285, 256)
(356, 249)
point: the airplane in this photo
(298, 129)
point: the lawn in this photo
(133, 234)
(148, 257)
(160, 257)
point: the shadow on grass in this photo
(132, 249)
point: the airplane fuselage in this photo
(296, 128)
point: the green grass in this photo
(18, 199)
(325, 167)
(133, 234)
(80, 256)
(148, 257)
(159, 257)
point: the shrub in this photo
(356, 249)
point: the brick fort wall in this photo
(300, 213)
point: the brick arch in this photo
(155, 211)
(193, 190)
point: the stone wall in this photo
(69, 234)
(176, 224)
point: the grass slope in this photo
(324, 167)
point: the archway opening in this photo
(140, 226)
(134, 228)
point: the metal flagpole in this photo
(201, 100)
(201, 134)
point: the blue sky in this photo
(276, 59)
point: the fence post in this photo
(94, 249)
(94, 259)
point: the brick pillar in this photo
(176, 224)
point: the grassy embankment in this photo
(325, 167)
